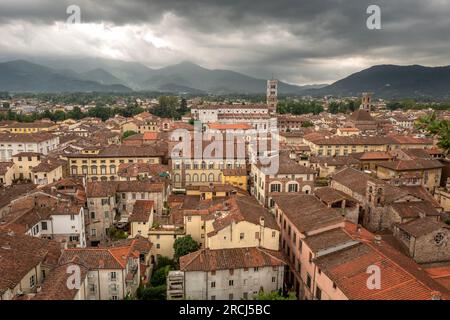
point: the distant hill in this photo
(393, 82)
(101, 76)
(21, 75)
(187, 74)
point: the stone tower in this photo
(366, 101)
(272, 92)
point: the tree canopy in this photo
(183, 246)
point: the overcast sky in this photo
(314, 41)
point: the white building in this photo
(212, 113)
(14, 143)
(227, 274)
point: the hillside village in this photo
(118, 200)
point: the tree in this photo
(184, 245)
(440, 128)
(183, 107)
(128, 133)
(160, 275)
(274, 296)
(307, 124)
(151, 293)
(116, 234)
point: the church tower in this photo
(272, 92)
(366, 101)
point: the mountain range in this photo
(96, 74)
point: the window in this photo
(44, 225)
(72, 217)
(273, 279)
(231, 272)
(274, 234)
(308, 281)
(230, 296)
(32, 281)
(231, 283)
(310, 257)
(112, 276)
(276, 187)
(293, 187)
(213, 297)
(114, 298)
(93, 232)
(104, 202)
(255, 269)
(257, 235)
(245, 296)
(318, 293)
(334, 285)
(241, 236)
(92, 215)
(213, 284)
(189, 219)
(213, 273)
(439, 238)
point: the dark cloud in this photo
(301, 41)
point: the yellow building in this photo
(412, 172)
(344, 145)
(102, 164)
(235, 177)
(24, 162)
(163, 237)
(141, 219)
(47, 172)
(230, 222)
(29, 127)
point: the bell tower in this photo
(272, 93)
(366, 101)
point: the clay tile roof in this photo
(307, 212)
(361, 115)
(423, 226)
(417, 164)
(20, 253)
(402, 278)
(98, 258)
(142, 210)
(414, 209)
(55, 286)
(237, 258)
(327, 239)
(329, 195)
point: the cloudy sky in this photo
(314, 41)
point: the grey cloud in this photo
(226, 33)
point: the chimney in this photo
(436, 295)
(377, 239)
(261, 221)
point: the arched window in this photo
(306, 189)
(275, 187)
(188, 178)
(210, 177)
(203, 177)
(177, 178)
(195, 177)
(292, 187)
